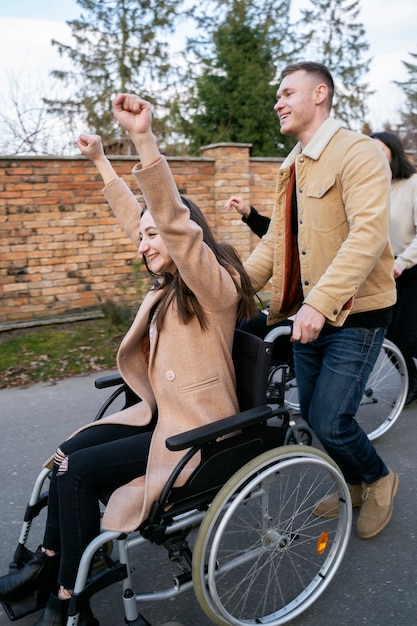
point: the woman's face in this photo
(153, 247)
(384, 149)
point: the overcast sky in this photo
(27, 27)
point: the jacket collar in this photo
(317, 143)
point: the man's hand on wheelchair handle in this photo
(307, 324)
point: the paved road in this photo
(376, 584)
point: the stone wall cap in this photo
(227, 144)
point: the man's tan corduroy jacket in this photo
(343, 193)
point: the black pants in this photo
(403, 328)
(100, 459)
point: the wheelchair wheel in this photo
(384, 396)
(282, 388)
(291, 395)
(385, 392)
(261, 556)
(305, 434)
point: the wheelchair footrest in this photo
(139, 621)
(17, 609)
(99, 581)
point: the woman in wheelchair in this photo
(177, 358)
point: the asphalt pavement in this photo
(376, 584)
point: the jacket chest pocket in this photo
(324, 207)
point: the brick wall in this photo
(63, 252)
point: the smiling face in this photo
(301, 105)
(153, 247)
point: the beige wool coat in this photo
(190, 376)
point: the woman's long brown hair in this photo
(175, 287)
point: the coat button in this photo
(170, 375)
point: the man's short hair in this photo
(320, 70)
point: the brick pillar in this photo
(231, 177)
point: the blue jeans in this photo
(331, 374)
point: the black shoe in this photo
(56, 614)
(40, 573)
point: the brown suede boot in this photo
(329, 506)
(378, 501)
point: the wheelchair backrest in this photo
(251, 358)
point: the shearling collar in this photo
(316, 145)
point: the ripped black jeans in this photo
(96, 462)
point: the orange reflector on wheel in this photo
(322, 543)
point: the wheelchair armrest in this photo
(210, 432)
(108, 381)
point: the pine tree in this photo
(332, 34)
(409, 114)
(118, 47)
(234, 91)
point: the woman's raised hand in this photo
(133, 113)
(135, 116)
(90, 146)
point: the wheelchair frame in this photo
(384, 397)
(286, 556)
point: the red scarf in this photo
(292, 292)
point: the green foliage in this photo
(224, 90)
(408, 129)
(119, 315)
(331, 34)
(234, 89)
(141, 277)
(49, 353)
(120, 46)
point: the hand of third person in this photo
(236, 203)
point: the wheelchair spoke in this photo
(266, 556)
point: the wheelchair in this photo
(382, 401)
(242, 528)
